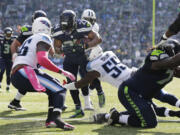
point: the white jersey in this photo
(27, 52)
(110, 68)
(95, 27)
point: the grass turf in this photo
(31, 122)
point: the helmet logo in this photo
(45, 22)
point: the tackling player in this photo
(107, 67)
(69, 39)
(90, 16)
(24, 71)
(5, 54)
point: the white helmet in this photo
(93, 52)
(89, 15)
(41, 25)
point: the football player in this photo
(69, 38)
(90, 15)
(24, 71)
(26, 31)
(107, 67)
(6, 57)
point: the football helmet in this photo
(93, 52)
(38, 13)
(8, 31)
(89, 15)
(170, 46)
(41, 25)
(68, 20)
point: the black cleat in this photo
(16, 106)
(63, 125)
(64, 108)
(100, 118)
(7, 89)
(114, 117)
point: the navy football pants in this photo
(5, 65)
(141, 111)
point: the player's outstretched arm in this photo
(90, 76)
(42, 56)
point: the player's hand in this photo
(70, 86)
(14, 56)
(68, 75)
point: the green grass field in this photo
(31, 122)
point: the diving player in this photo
(5, 54)
(90, 15)
(69, 38)
(107, 67)
(24, 71)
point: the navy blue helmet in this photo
(38, 13)
(68, 20)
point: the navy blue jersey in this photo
(5, 47)
(26, 31)
(148, 82)
(70, 45)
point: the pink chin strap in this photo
(33, 79)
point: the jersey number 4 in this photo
(114, 67)
(24, 48)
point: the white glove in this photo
(70, 86)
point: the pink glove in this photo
(68, 74)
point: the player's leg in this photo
(22, 85)
(73, 68)
(85, 90)
(8, 70)
(101, 96)
(141, 111)
(56, 95)
(2, 69)
(165, 97)
(165, 112)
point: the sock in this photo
(123, 119)
(18, 96)
(87, 101)
(166, 113)
(178, 103)
(57, 113)
(107, 116)
(50, 111)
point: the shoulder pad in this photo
(57, 32)
(158, 55)
(46, 39)
(1, 36)
(26, 28)
(83, 26)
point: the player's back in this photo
(110, 68)
(148, 82)
(27, 52)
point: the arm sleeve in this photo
(175, 26)
(43, 60)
